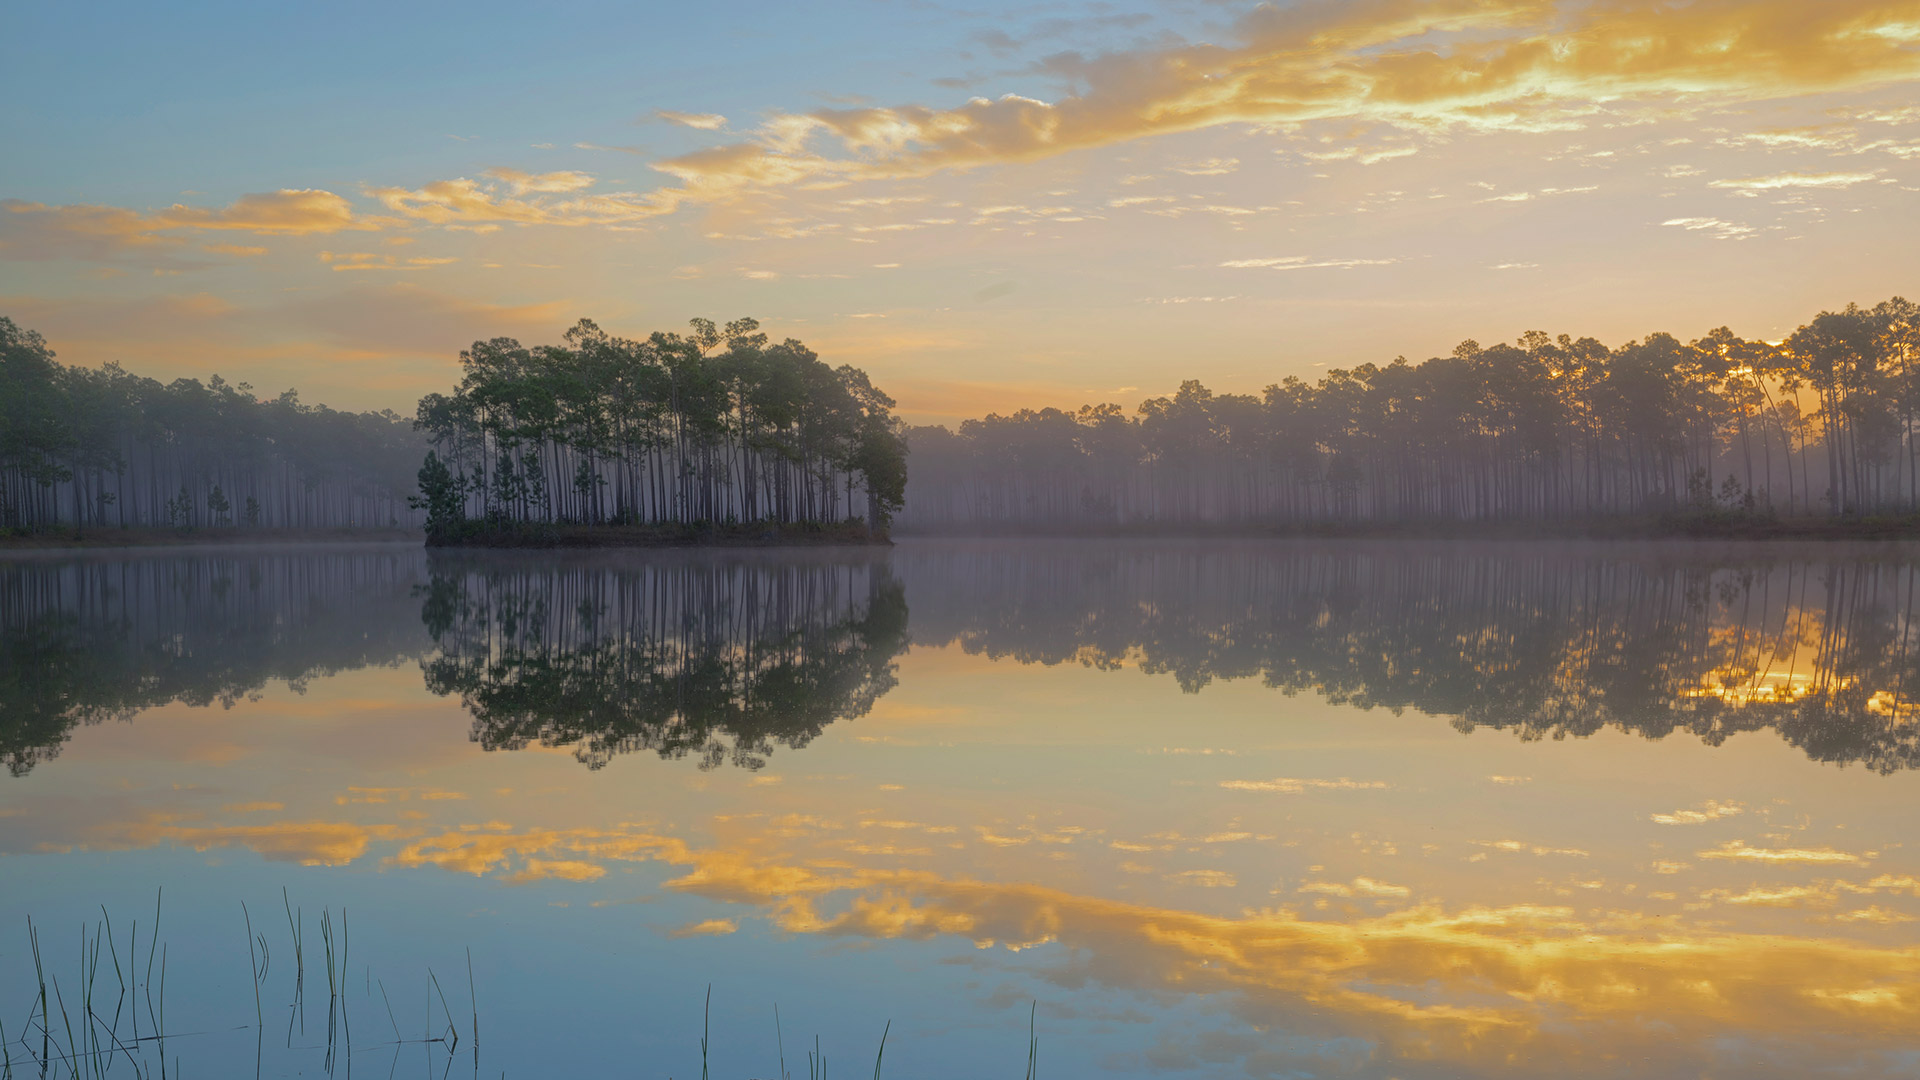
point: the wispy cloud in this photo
(1293, 786)
(1302, 262)
(698, 121)
(37, 229)
(1714, 227)
(1798, 180)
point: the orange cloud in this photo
(511, 197)
(37, 230)
(1428, 66)
(309, 843)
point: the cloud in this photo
(698, 121)
(1364, 155)
(1361, 886)
(1718, 229)
(707, 928)
(1302, 262)
(309, 843)
(1206, 879)
(1430, 67)
(511, 197)
(1734, 849)
(1529, 196)
(373, 260)
(1797, 180)
(37, 230)
(1209, 167)
(522, 183)
(1424, 68)
(1711, 810)
(1290, 786)
(1522, 989)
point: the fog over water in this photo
(1220, 808)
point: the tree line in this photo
(107, 448)
(719, 425)
(1826, 422)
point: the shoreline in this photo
(1619, 529)
(759, 535)
(534, 537)
(70, 539)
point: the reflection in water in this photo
(719, 660)
(1031, 807)
(1816, 643)
(1520, 989)
(85, 640)
(722, 659)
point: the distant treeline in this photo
(1545, 428)
(80, 447)
(717, 426)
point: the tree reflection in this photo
(724, 657)
(720, 660)
(86, 640)
(1817, 644)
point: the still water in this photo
(1176, 809)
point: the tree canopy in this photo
(718, 424)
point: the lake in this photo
(1171, 809)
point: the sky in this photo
(986, 207)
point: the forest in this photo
(721, 427)
(715, 426)
(109, 449)
(1825, 423)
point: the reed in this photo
(90, 1044)
(1033, 1042)
(780, 1041)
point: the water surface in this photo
(1218, 809)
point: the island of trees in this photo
(1825, 424)
(717, 433)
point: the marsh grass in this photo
(85, 1039)
(78, 1035)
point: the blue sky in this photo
(985, 207)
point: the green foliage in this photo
(441, 496)
(718, 425)
(219, 508)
